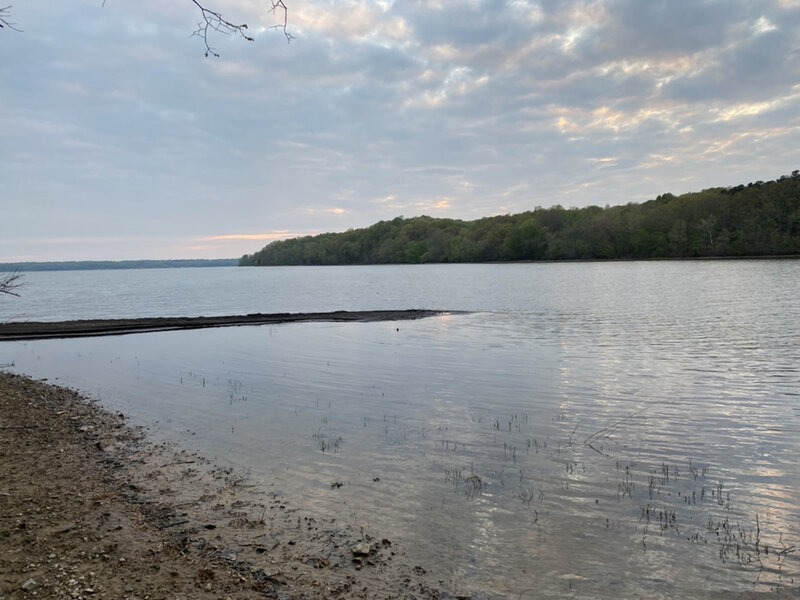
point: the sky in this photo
(120, 140)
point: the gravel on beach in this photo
(89, 508)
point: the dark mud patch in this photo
(33, 330)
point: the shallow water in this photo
(594, 430)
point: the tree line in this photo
(757, 219)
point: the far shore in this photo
(27, 267)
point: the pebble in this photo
(362, 549)
(31, 585)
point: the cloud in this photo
(273, 235)
(327, 210)
(114, 125)
(752, 109)
(73, 240)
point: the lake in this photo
(594, 430)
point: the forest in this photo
(756, 219)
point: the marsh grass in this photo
(328, 443)
(472, 485)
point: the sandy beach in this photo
(89, 508)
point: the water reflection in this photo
(568, 448)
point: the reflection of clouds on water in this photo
(624, 436)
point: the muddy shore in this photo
(30, 330)
(90, 509)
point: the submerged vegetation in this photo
(757, 219)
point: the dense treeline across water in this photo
(757, 219)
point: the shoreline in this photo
(40, 330)
(89, 508)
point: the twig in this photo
(213, 20)
(175, 524)
(278, 5)
(610, 429)
(10, 281)
(4, 22)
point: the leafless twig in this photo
(5, 13)
(608, 430)
(10, 282)
(277, 7)
(213, 21)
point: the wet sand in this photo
(93, 327)
(90, 509)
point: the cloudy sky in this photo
(120, 140)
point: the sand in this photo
(89, 508)
(38, 330)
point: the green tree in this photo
(706, 226)
(678, 238)
(756, 219)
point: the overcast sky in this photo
(120, 140)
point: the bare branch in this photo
(214, 21)
(277, 7)
(5, 12)
(10, 282)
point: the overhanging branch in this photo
(277, 7)
(10, 282)
(5, 12)
(214, 21)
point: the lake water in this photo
(597, 430)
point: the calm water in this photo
(592, 430)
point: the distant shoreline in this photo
(551, 261)
(98, 265)
(234, 262)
